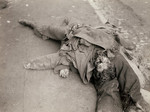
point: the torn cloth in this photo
(79, 53)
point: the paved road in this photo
(42, 91)
(39, 91)
(141, 7)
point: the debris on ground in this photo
(3, 4)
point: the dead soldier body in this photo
(94, 53)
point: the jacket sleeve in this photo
(44, 62)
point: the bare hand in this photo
(64, 73)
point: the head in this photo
(104, 69)
(101, 61)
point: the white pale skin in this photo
(64, 73)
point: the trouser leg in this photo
(128, 80)
(129, 84)
(55, 32)
(108, 99)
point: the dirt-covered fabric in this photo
(128, 80)
(118, 87)
(108, 97)
(78, 49)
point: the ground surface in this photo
(42, 91)
(39, 91)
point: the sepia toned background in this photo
(42, 91)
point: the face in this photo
(102, 63)
(101, 67)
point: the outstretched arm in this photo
(51, 61)
(43, 62)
